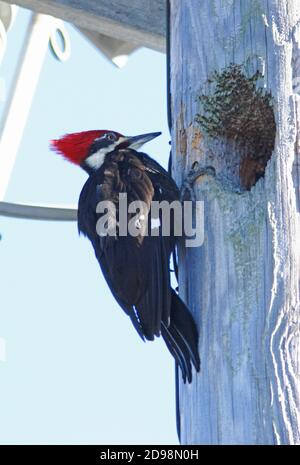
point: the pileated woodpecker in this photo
(136, 268)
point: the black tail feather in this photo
(181, 338)
(178, 425)
(178, 351)
(185, 325)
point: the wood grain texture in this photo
(243, 283)
(141, 22)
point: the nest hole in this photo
(237, 110)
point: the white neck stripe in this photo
(96, 160)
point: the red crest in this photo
(74, 147)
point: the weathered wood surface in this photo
(243, 283)
(140, 22)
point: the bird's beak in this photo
(136, 142)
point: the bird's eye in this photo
(110, 136)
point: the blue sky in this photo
(76, 371)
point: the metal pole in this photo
(38, 212)
(15, 116)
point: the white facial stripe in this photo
(96, 159)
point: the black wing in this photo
(137, 268)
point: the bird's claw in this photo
(195, 172)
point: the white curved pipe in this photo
(38, 212)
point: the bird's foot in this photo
(188, 183)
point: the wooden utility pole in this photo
(243, 283)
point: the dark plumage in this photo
(135, 268)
